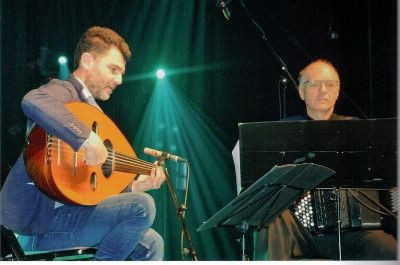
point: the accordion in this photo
(318, 211)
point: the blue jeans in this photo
(119, 227)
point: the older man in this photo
(286, 238)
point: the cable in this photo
(184, 207)
(388, 212)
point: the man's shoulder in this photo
(63, 91)
(58, 82)
(59, 87)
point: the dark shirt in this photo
(333, 117)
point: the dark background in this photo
(243, 87)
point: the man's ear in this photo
(301, 92)
(86, 61)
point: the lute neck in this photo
(124, 163)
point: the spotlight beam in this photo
(184, 70)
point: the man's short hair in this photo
(99, 40)
(325, 61)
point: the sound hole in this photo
(107, 167)
(93, 181)
(95, 128)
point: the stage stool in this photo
(12, 250)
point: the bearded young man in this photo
(119, 227)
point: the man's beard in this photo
(94, 88)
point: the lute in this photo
(62, 174)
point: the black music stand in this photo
(362, 152)
(269, 196)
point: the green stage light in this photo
(62, 60)
(160, 74)
(63, 69)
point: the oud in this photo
(61, 172)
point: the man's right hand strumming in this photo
(95, 151)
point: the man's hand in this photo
(95, 151)
(146, 182)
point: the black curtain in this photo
(239, 78)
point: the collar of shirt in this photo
(85, 90)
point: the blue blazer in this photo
(24, 208)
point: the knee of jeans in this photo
(147, 204)
(158, 247)
(155, 243)
(158, 242)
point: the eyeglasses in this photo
(318, 83)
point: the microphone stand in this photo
(271, 49)
(269, 45)
(339, 224)
(180, 210)
(282, 63)
(282, 106)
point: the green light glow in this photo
(172, 124)
(178, 71)
(160, 73)
(63, 71)
(62, 60)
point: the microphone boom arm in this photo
(269, 45)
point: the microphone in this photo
(224, 7)
(163, 154)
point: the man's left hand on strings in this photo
(149, 182)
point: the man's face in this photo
(105, 73)
(319, 96)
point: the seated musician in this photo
(119, 227)
(286, 238)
